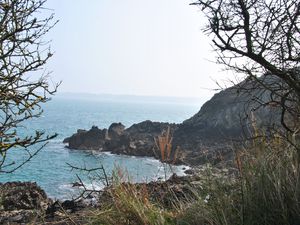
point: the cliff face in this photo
(228, 117)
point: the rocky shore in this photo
(27, 203)
(208, 136)
(137, 140)
(22, 202)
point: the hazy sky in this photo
(135, 47)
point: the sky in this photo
(132, 47)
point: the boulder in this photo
(94, 139)
(21, 202)
(22, 195)
(115, 130)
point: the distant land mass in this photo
(134, 98)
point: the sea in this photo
(66, 113)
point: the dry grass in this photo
(164, 145)
(131, 205)
(266, 190)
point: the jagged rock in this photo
(59, 209)
(116, 130)
(137, 140)
(189, 172)
(71, 205)
(118, 145)
(205, 137)
(16, 216)
(142, 137)
(77, 184)
(21, 201)
(94, 139)
(22, 195)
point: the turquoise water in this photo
(65, 115)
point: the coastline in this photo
(32, 203)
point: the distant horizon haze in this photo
(132, 47)
(199, 101)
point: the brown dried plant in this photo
(164, 145)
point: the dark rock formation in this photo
(142, 137)
(18, 195)
(225, 119)
(93, 139)
(21, 202)
(207, 136)
(115, 130)
(27, 203)
(117, 141)
(229, 114)
(137, 140)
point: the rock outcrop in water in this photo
(137, 140)
(207, 136)
(92, 139)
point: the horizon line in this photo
(132, 95)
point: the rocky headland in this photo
(137, 140)
(209, 136)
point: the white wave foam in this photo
(88, 185)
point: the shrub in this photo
(130, 204)
(265, 191)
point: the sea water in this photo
(64, 115)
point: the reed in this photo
(164, 145)
(265, 190)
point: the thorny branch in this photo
(260, 37)
(23, 54)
